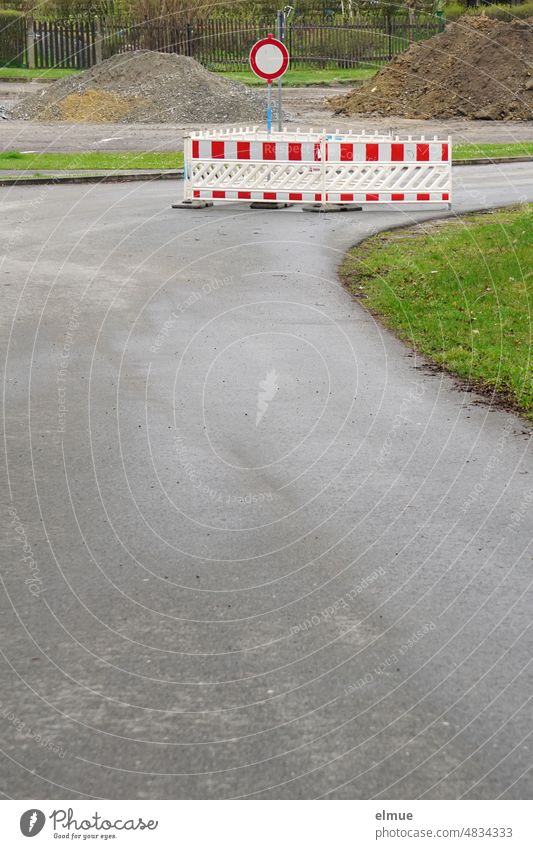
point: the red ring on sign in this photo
(269, 40)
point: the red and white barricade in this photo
(299, 167)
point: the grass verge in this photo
(459, 291)
(307, 76)
(293, 77)
(14, 160)
(99, 160)
(35, 73)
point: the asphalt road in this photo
(253, 547)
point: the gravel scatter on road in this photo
(144, 87)
(478, 68)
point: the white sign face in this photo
(269, 59)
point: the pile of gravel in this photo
(478, 68)
(147, 87)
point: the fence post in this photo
(281, 37)
(98, 41)
(30, 46)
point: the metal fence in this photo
(224, 43)
(64, 44)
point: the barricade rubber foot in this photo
(331, 207)
(192, 204)
(269, 204)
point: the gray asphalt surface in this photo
(253, 546)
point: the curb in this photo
(144, 176)
(141, 176)
(470, 384)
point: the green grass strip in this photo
(459, 291)
(36, 73)
(492, 151)
(99, 160)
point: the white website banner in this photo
(264, 824)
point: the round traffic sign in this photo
(269, 58)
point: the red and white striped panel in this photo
(256, 151)
(316, 197)
(388, 197)
(387, 152)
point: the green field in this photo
(459, 291)
(13, 160)
(307, 76)
(16, 161)
(492, 151)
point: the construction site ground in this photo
(307, 106)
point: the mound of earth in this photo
(147, 87)
(477, 68)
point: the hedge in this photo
(503, 13)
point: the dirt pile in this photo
(147, 87)
(477, 68)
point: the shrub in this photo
(502, 13)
